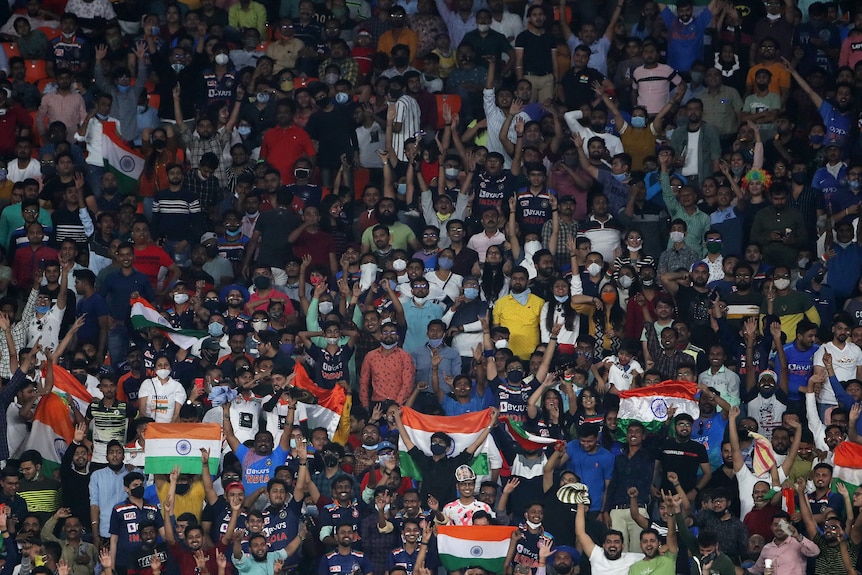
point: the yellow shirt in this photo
(253, 17)
(192, 502)
(285, 55)
(447, 63)
(522, 322)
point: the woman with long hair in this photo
(494, 283)
(588, 408)
(546, 413)
(607, 324)
(333, 222)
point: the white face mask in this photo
(532, 246)
(625, 282)
(163, 373)
(367, 275)
(332, 341)
(773, 16)
(501, 344)
(594, 269)
(258, 325)
(532, 525)
(181, 298)
(419, 300)
(399, 265)
(781, 283)
(677, 237)
(324, 307)
(635, 248)
(221, 59)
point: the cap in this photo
(234, 485)
(465, 473)
(363, 33)
(208, 236)
(700, 264)
(385, 445)
(576, 556)
(79, 364)
(767, 373)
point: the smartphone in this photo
(199, 383)
(709, 558)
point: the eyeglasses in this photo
(683, 424)
(30, 211)
(456, 230)
(420, 286)
(743, 276)
(430, 235)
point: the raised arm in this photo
(805, 509)
(816, 99)
(229, 435)
(495, 413)
(584, 540)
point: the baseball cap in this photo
(234, 485)
(385, 445)
(207, 236)
(700, 264)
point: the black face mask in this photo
(322, 102)
(401, 61)
(137, 492)
(438, 449)
(330, 460)
(212, 251)
(116, 468)
(160, 144)
(183, 488)
(262, 282)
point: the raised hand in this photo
(105, 559)
(221, 560)
(433, 504)
(156, 562)
(511, 485)
(633, 492)
(101, 52)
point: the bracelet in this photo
(555, 210)
(94, 522)
(553, 339)
(422, 543)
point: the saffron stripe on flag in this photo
(171, 444)
(465, 546)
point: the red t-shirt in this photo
(318, 246)
(282, 147)
(150, 260)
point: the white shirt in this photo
(408, 115)
(162, 399)
(47, 327)
(601, 564)
(844, 361)
(370, 140)
(16, 430)
(438, 289)
(32, 170)
(691, 153)
(612, 143)
(245, 416)
(619, 376)
(510, 25)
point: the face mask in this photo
(668, 133)
(609, 297)
(181, 298)
(341, 98)
(43, 308)
(221, 59)
(483, 27)
(696, 77)
(594, 269)
(445, 263)
(4, 173)
(388, 345)
(854, 184)
(393, 285)
(713, 247)
(767, 391)
(677, 237)
(402, 189)
(799, 177)
(626, 282)
(331, 341)
(620, 177)
(451, 173)
(638, 122)
(215, 329)
(773, 16)
(532, 246)
(471, 293)
(183, 488)
(163, 373)
(287, 348)
(399, 265)
(178, 67)
(802, 263)
(262, 97)
(401, 61)
(102, 116)
(262, 282)
(561, 298)
(816, 139)
(301, 173)
(438, 449)
(841, 244)
(685, 22)
(123, 89)
(781, 283)
(286, 86)
(532, 525)
(141, 109)
(330, 460)
(322, 102)
(137, 492)
(515, 376)
(325, 307)
(501, 344)
(420, 300)
(49, 171)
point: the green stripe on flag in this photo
(454, 563)
(188, 464)
(653, 426)
(851, 487)
(479, 464)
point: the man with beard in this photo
(683, 456)
(401, 236)
(576, 85)
(177, 213)
(833, 543)
(788, 544)
(656, 562)
(695, 134)
(342, 511)
(846, 359)
(269, 233)
(708, 429)
(767, 401)
(609, 559)
(153, 556)
(823, 501)
(717, 518)
(106, 490)
(75, 475)
(837, 115)
(260, 561)
(541, 285)
(344, 559)
(566, 560)
(259, 461)
(184, 552)
(130, 382)
(493, 186)
(519, 311)
(693, 302)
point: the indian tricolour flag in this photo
(463, 429)
(170, 444)
(525, 440)
(121, 159)
(145, 315)
(650, 404)
(848, 466)
(332, 410)
(483, 546)
(70, 389)
(51, 432)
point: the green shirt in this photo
(664, 564)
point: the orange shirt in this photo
(407, 36)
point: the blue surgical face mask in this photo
(816, 138)
(471, 293)
(561, 298)
(341, 98)
(215, 329)
(43, 308)
(620, 177)
(447, 263)
(402, 189)
(638, 122)
(854, 184)
(435, 342)
(287, 348)
(123, 89)
(393, 285)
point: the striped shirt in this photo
(653, 86)
(72, 225)
(108, 423)
(174, 213)
(408, 115)
(829, 561)
(42, 496)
